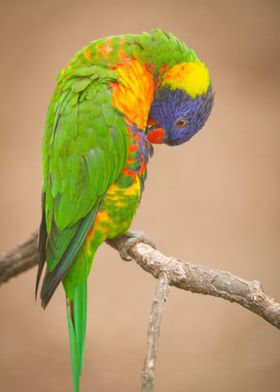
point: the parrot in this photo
(117, 97)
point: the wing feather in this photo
(84, 151)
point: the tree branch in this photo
(204, 280)
(158, 305)
(170, 272)
(184, 275)
(19, 259)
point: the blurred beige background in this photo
(214, 200)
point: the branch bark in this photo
(184, 275)
(158, 305)
(204, 280)
(20, 259)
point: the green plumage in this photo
(85, 149)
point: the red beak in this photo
(155, 134)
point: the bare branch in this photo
(170, 272)
(19, 259)
(158, 306)
(184, 275)
(204, 280)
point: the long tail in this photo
(77, 317)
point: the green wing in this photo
(84, 151)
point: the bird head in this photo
(182, 103)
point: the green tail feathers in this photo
(77, 317)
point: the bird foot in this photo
(134, 238)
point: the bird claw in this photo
(134, 238)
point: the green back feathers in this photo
(83, 132)
(156, 48)
(84, 151)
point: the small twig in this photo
(158, 305)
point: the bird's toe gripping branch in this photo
(130, 239)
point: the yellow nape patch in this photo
(134, 92)
(193, 78)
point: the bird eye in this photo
(181, 122)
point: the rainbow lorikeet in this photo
(115, 98)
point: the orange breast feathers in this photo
(134, 92)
